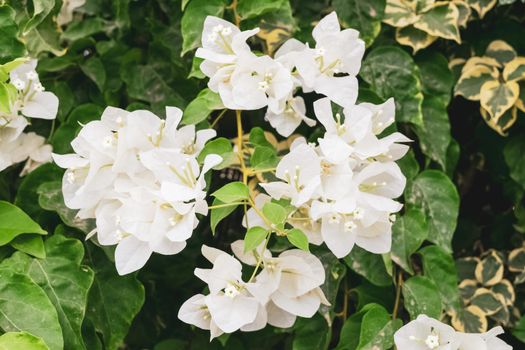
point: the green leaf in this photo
(252, 8)
(82, 29)
(421, 296)
(22, 341)
(408, 233)
(263, 158)
(14, 222)
(148, 83)
(27, 196)
(349, 338)
(439, 266)
(200, 108)
(362, 15)
(440, 20)
(41, 8)
(368, 265)
(218, 214)
(5, 99)
(335, 271)
(391, 72)
(298, 239)
(311, 334)
(519, 329)
(25, 306)
(409, 166)
(193, 20)
(114, 300)
(30, 244)
(377, 330)
(258, 139)
(94, 69)
(223, 148)
(195, 69)
(434, 135)
(513, 153)
(10, 46)
(437, 79)
(275, 213)
(434, 193)
(254, 236)
(65, 281)
(232, 192)
(50, 197)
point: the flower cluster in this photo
(344, 188)
(246, 81)
(26, 98)
(287, 287)
(139, 177)
(426, 333)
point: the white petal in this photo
(43, 105)
(131, 254)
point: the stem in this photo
(236, 16)
(267, 170)
(259, 258)
(398, 294)
(218, 118)
(240, 153)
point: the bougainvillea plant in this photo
(208, 174)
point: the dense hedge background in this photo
(459, 236)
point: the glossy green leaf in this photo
(438, 265)
(30, 244)
(368, 265)
(391, 72)
(434, 193)
(14, 222)
(421, 296)
(275, 213)
(232, 192)
(254, 237)
(408, 233)
(298, 239)
(218, 214)
(22, 341)
(362, 15)
(65, 281)
(200, 108)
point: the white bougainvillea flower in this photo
(331, 66)
(195, 311)
(425, 333)
(383, 115)
(229, 302)
(139, 177)
(300, 172)
(257, 82)
(483, 341)
(36, 151)
(290, 118)
(33, 101)
(291, 281)
(378, 184)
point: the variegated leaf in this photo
(415, 38)
(424, 5)
(489, 270)
(500, 51)
(520, 102)
(519, 279)
(503, 123)
(466, 267)
(274, 34)
(487, 301)
(400, 13)
(505, 289)
(441, 21)
(482, 6)
(470, 83)
(496, 98)
(516, 260)
(501, 317)
(467, 288)
(464, 12)
(470, 320)
(481, 61)
(515, 70)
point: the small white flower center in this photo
(350, 226)
(39, 87)
(226, 31)
(359, 214)
(432, 341)
(334, 219)
(107, 142)
(19, 84)
(31, 75)
(231, 291)
(320, 51)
